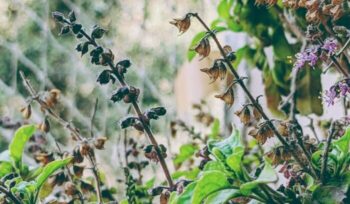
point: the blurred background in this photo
(138, 30)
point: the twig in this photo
(331, 134)
(66, 125)
(10, 195)
(138, 111)
(249, 95)
(93, 115)
(312, 127)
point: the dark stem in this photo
(312, 127)
(249, 95)
(66, 125)
(331, 134)
(140, 116)
(10, 195)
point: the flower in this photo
(341, 88)
(309, 56)
(183, 24)
(330, 46)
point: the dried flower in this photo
(97, 32)
(78, 170)
(218, 70)
(182, 24)
(244, 115)
(44, 158)
(283, 128)
(257, 115)
(279, 155)
(203, 48)
(262, 133)
(69, 188)
(99, 142)
(27, 111)
(85, 148)
(120, 93)
(132, 95)
(105, 77)
(44, 126)
(227, 97)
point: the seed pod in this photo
(244, 115)
(99, 142)
(77, 157)
(27, 111)
(76, 28)
(227, 97)
(182, 24)
(64, 30)
(69, 188)
(44, 126)
(78, 170)
(71, 17)
(107, 58)
(160, 111)
(132, 95)
(85, 148)
(97, 32)
(203, 48)
(105, 77)
(58, 16)
(120, 93)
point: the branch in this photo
(332, 131)
(74, 131)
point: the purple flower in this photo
(309, 55)
(330, 45)
(341, 88)
(302, 58)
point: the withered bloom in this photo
(78, 170)
(283, 128)
(244, 115)
(227, 97)
(85, 148)
(27, 111)
(279, 155)
(52, 98)
(44, 126)
(44, 158)
(99, 142)
(257, 115)
(203, 48)
(262, 133)
(218, 70)
(183, 24)
(69, 188)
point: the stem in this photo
(66, 125)
(138, 111)
(247, 92)
(326, 151)
(10, 195)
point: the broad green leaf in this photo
(191, 54)
(343, 142)
(209, 183)
(234, 161)
(329, 195)
(214, 165)
(190, 174)
(224, 9)
(18, 142)
(281, 47)
(268, 175)
(186, 196)
(308, 92)
(5, 168)
(227, 145)
(222, 196)
(49, 169)
(186, 151)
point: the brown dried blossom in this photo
(183, 24)
(203, 48)
(227, 97)
(262, 133)
(44, 126)
(217, 71)
(244, 115)
(26, 111)
(283, 128)
(99, 142)
(279, 155)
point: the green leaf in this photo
(190, 174)
(308, 92)
(222, 196)
(215, 130)
(281, 47)
(224, 9)
(227, 145)
(209, 183)
(191, 54)
(49, 169)
(214, 165)
(18, 142)
(186, 151)
(26, 189)
(329, 195)
(268, 175)
(5, 168)
(234, 161)
(343, 142)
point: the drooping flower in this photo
(330, 46)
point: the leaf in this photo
(329, 195)
(190, 174)
(214, 165)
(234, 161)
(18, 142)
(215, 130)
(308, 92)
(227, 145)
(26, 189)
(191, 54)
(209, 183)
(186, 151)
(5, 168)
(273, 97)
(224, 9)
(281, 47)
(49, 169)
(343, 142)
(268, 175)
(222, 196)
